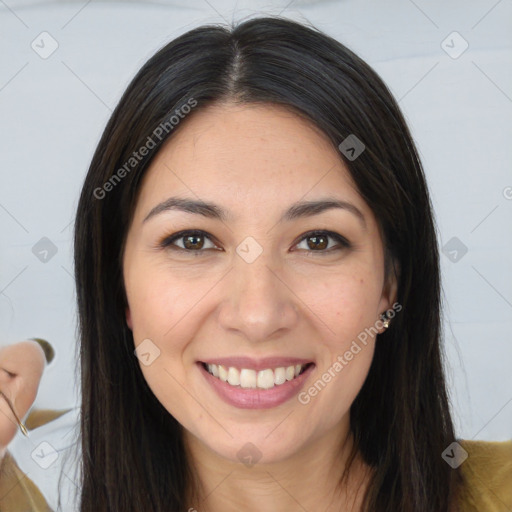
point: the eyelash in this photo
(167, 242)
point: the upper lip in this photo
(256, 364)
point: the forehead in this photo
(247, 157)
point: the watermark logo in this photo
(454, 455)
(137, 156)
(454, 45)
(249, 454)
(44, 250)
(147, 352)
(45, 45)
(249, 250)
(44, 455)
(352, 147)
(454, 249)
(305, 397)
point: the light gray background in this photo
(53, 111)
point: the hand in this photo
(21, 368)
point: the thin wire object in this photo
(20, 423)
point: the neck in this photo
(309, 479)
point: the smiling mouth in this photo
(247, 378)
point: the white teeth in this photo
(247, 378)
(265, 379)
(280, 376)
(223, 373)
(233, 376)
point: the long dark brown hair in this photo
(133, 457)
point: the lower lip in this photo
(250, 398)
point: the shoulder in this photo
(17, 490)
(488, 474)
(39, 417)
(59, 430)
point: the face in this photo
(272, 292)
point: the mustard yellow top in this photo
(18, 493)
(487, 468)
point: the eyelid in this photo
(167, 241)
(343, 243)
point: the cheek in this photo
(155, 332)
(154, 301)
(339, 377)
(347, 306)
(347, 302)
(159, 308)
(169, 301)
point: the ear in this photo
(129, 318)
(389, 293)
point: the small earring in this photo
(385, 320)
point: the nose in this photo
(259, 304)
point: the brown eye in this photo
(318, 241)
(191, 241)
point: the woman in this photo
(258, 289)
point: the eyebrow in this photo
(297, 210)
